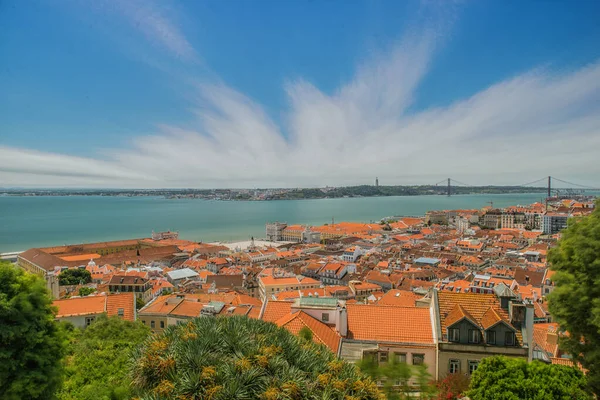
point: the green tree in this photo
(502, 378)
(306, 334)
(575, 301)
(74, 276)
(236, 357)
(32, 344)
(98, 365)
(139, 303)
(85, 291)
(395, 377)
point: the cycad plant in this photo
(240, 358)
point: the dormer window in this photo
(474, 336)
(453, 335)
(490, 337)
(509, 339)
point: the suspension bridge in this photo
(548, 182)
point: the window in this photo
(473, 366)
(453, 335)
(152, 324)
(474, 336)
(162, 324)
(509, 339)
(325, 317)
(383, 356)
(121, 312)
(490, 337)
(454, 366)
(400, 357)
(89, 320)
(418, 359)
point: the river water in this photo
(27, 222)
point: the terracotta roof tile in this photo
(321, 332)
(476, 304)
(274, 310)
(389, 323)
(458, 313)
(396, 297)
(490, 318)
(125, 301)
(80, 306)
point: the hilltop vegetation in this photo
(575, 303)
(240, 358)
(32, 344)
(97, 367)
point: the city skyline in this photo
(203, 95)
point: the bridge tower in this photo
(549, 185)
(448, 186)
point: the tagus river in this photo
(27, 222)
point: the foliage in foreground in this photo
(575, 302)
(98, 366)
(400, 380)
(502, 378)
(31, 343)
(74, 276)
(240, 358)
(452, 386)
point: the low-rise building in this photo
(269, 285)
(473, 326)
(141, 287)
(179, 308)
(82, 311)
(180, 275)
(274, 230)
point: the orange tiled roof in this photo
(126, 301)
(490, 318)
(321, 332)
(476, 304)
(389, 324)
(89, 305)
(458, 313)
(80, 306)
(562, 361)
(396, 297)
(275, 310)
(81, 257)
(540, 337)
(188, 309)
(270, 280)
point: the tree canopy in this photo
(98, 365)
(32, 344)
(74, 276)
(575, 301)
(400, 380)
(241, 358)
(502, 378)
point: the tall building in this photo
(553, 223)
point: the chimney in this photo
(529, 315)
(342, 322)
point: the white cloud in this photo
(536, 124)
(155, 20)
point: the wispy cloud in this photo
(539, 123)
(156, 21)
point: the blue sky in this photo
(309, 93)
